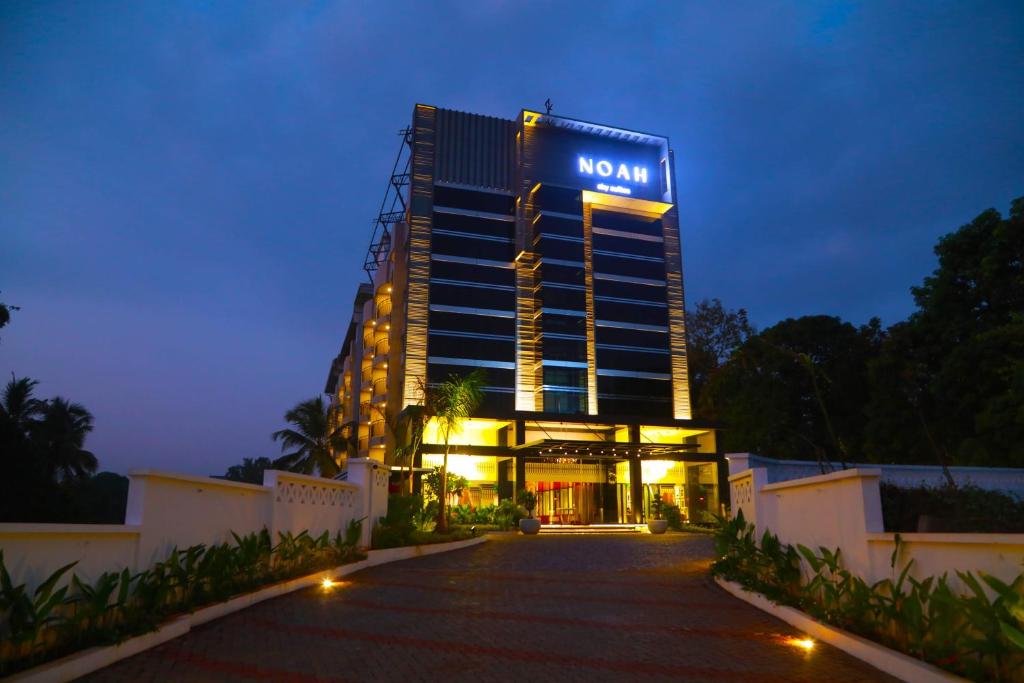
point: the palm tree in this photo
(315, 439)
(61, 437)
(18, 409)
(451, 402)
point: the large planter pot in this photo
(657, 526)
(529, 525)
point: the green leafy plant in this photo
(57, 619)
(657, 507)
(970, 634)
(528, 499)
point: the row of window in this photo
(441, 317)
(631, 312)
(617, 265)
(444, 344)
(561, 224)
(467, 247)
(489, 202)
(448, 270)
(634, 406)
(624, 222)
(562, 200)
(464, 294)
(495, 378)
(475, 225)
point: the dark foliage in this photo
(951, 510)
(945, 387)
(407, 523)
(250, 471)
(47, 470)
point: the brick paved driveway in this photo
(548, 608)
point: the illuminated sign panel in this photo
(599, 162)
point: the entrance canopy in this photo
(561, 448)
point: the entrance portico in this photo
(585, 471)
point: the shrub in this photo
(674, 517)
(970, 635)
(53, 621)
(507, 514)
(961, 509)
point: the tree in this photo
(796, 390)
(61, 437)
(407, 429)
(250, 471)
(314, 439)
(450, 403)
(952, 376)
(46, 465)
(454, 484)
(5, 313)
(712, 335)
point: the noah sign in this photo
(603, 168)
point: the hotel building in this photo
(546, 251)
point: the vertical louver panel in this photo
(681, 408)
(474, 150)
(420, 220)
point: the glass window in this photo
(473, 297)
(622, 336)
(573, 275)
(555, 297)
(563, 324)
(560, 249)
(469, 347)
(567, 403)
(634, 313)
(629, 290)
(634, 406)
(471, 248)
(633, 360)
(626, 222)
(472, 200)
(618, 265)
(628, 246)
(633, 387)
(493, 377)
(564, 349)
(449, 270)
(461, 322)
(558, 199)
(557, 225)
(475, 224)
(565, 377)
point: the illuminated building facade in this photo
(546, 251)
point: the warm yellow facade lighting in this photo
(472, 432)
(627, 203)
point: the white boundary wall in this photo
(844, 510)
(166, 510)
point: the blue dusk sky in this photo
(186, 188)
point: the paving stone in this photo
(546, 608)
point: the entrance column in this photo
(636, 486)
(520, 461)
(520, 475)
